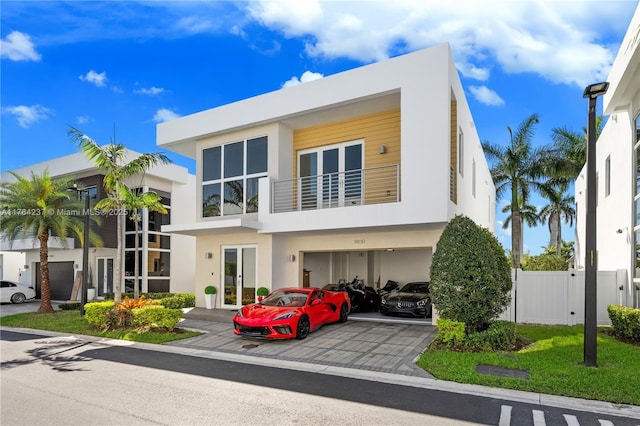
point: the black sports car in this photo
(411, 299)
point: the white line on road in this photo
(505, 415)
(538, 418)
(571, 420)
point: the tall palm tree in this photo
(112, 159)
(518, 168)
(573, 146)
(39, 207)
(135, 204)
(560, 208)
(529, 214)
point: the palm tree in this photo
(40, 207)
(573, 146)
(135, 203)
(528, 212)
(560, 208)
(517, 168)
(112, 159)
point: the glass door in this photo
(239, 265)
(331, 176)
(105, 275)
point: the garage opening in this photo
(371, 269)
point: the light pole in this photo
(591, 262)
(85, 248)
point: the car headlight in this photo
(423, 302)
(383, 301)
(285, 316)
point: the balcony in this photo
(376, 185)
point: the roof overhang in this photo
(223, 226)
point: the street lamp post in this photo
(591, 262)
(85, 248)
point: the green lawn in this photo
(72, 322)
(555, 364)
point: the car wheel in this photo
(303, 328)
(18, 298)
(344, 312)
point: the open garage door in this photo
(60, 280)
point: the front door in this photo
(104, 279)
(239, 272)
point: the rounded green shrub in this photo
(210, 290)
(98, 313)
(470, 275)
(156, 316)
(262, 291)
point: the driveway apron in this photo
(365, 345)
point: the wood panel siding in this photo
(376, 130)
(453, 135)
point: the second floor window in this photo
(230, 176)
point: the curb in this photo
(534, 398)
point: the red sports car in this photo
(291, 312)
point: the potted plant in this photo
(91, 292)
(210, 296)
(262, 292)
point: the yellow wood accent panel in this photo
(454, 148)
(375, 129)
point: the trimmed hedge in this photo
(69, 306)
(155, 316)
(500, 335)
(97, 313)
(188, 300)
(451, 333)
(625, 322)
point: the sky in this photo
(115, 69)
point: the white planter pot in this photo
(91, 294)
(210, 300)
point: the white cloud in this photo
(82, 119)
(99, 79)
(164, 114)
(486, 96)
(17, 46)
(556, 40)
(305, 77)
(28, 115)
(152, 91)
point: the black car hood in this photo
(409, 297)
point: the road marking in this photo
(605, 422)
(571, 420)
(505, 415)
(538, 418)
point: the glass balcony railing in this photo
(376, 185)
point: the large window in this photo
(230, 176)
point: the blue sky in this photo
(127, 65)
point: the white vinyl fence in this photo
(557, 297)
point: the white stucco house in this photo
(618, 173)
(355, 174)
(165, 259)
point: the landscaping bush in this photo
(69, 306)
(173, 302)
(98, 313)
(154, 296)
(500, 336)
(156, 316)
(189, 299)
(470, 275)
(451, 333)
(545, 262)
(625, 322)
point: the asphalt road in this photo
(68, 381)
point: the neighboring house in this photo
(11, 264)
(166, 261)
(618, 173)
(355, 174)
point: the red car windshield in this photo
(286, 298)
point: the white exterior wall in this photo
(615, 213)
(11, 263)
(342, 242)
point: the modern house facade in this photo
(352, 175)
(164, 261)
(618, 173)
